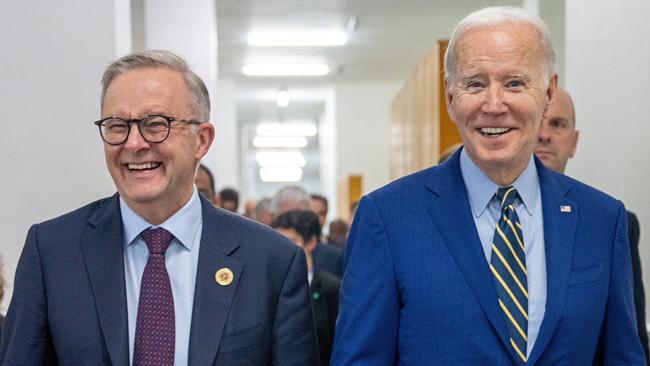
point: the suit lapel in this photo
(211, 300)
(559, 237)
(458, 231)
(102, 248)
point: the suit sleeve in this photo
(639, 293)
(367, 327)
(620, 340)
(294, 339)
(26, 337)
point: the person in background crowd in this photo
(303, 228)
(326, 257)
(489, 258)
(229, 199)
(155, 274)
(263, 211)
(249, 208)
(319, 206)
(205, 184)
(338, 233)
(556, 144)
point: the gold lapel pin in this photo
(224, 276)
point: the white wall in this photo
(53, 55)
(362, 115)
(607, 72)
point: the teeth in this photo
(494, 130)
(143, 166)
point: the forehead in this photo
(144, 87)
(505, 46)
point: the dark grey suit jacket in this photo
(69, 301)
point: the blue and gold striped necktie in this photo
(508, 265)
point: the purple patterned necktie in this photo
(155, 329)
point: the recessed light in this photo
(280, 141)
(303, 128)
(280, 174)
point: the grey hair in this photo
(155, 59)
(495, 16)
(293, 196)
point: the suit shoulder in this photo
(587, 195)
(406, 183)
(258, 237)
(78, 216)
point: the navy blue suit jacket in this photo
(69, 301)
(418, 290)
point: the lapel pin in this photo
(565, 208)
(224, 276)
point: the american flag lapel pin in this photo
(565, 208)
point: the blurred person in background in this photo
(303, 228)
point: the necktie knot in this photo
(157, 240)
(506, 196)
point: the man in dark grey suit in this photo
(155, 275)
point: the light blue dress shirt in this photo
(181, 260)
(486, 211)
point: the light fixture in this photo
(277, 69)
(277, 159)
(297, 38)
(283, 98)
(283, 175)
(298, 128)
(280, 141)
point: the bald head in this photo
(558, 137)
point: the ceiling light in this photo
(280, 141)
(284, 159)
(297, 38)
(305, 128)
(280, 174)
(283, 98)
(285, 70)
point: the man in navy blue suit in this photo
(156, 275)
(489, 258)
(556, 144)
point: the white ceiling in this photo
(390, 39)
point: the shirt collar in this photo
(481, 189)
(183, 224)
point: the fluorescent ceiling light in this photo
(280, 174)
(283, 98)
(306, 128)
(297, 38)
(285, 70)
(285, 159)
(280, 141)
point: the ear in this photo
(550, 94)
(448, 95)
(205, 134)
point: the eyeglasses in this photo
(153, 128)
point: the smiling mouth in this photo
(142, 166)
(494, 131)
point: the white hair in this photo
(495, 16)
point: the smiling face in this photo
(558, 138)
(155, 179)
(498, 95)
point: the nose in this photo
(135, 142)
(494, 100)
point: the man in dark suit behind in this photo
(216, 288)
(489, 258)
(556, 144)
(302, 227)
